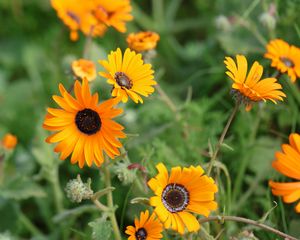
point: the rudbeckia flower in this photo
(288, 163)
(129, 75)
(113, 13)
(186, 190)
(146, 228)
(84, 69)
(142, 41)
(251, 88)
(84, 128)
(9, 141)
(284, 57)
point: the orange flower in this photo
(84, 69)
(284, 57)
(9, 141)
(142, 41)
(84, 128)
(78, 16)
(179, 194)
(288, 163)
(145, 228)
(251, 88)
(113, 13)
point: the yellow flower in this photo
(184, 191)
(128, 75)
(146, 228)
(84, 69)
(9, 141)
(288, 163)
(85, 129)
(284, 57)
(251, 88)
(78, 16)
(142, 41)
(113, 13)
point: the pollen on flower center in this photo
(123, 80)
(287, 62)
(88, 121)
(175, 197)
(141, 234)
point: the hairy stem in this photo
(247, 221)
(221, 139)
(110, 203)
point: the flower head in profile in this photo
(9, 141)
(285, 58)
(186, 190)
(129, 75)
(78, 17)
(287, 163)
(113, 13)
(142, 41)
(84, 128)
(84, 69)
(146, 228)
(251, 88)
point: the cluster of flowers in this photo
(85, 130)
(92, 17)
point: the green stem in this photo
(58, 196)
(245, 161)
(247, 221)
(110, 203)
(29, 225)
(221, 139)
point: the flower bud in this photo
(267, 20)
(77, 190)
(126, 175)
(222, 22)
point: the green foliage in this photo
(101, 229)
(194, 38)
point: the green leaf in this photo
(262, 155)
(21, 187)
(101, 229)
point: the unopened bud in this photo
(77, 190)
(222, 22)
(125, 174)
(268, 20)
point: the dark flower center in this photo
(123, 80)
(88, 121)
(287, 62)
(141, 234)
(175, 197)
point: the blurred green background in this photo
(195, 36)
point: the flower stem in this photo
(110, 203)
(29, 225)
(221, 139)
(58, 196)
(248, 221)
(166, 99)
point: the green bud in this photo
(222, 22)
(77, 190)
(125, 175)
(268, 20)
